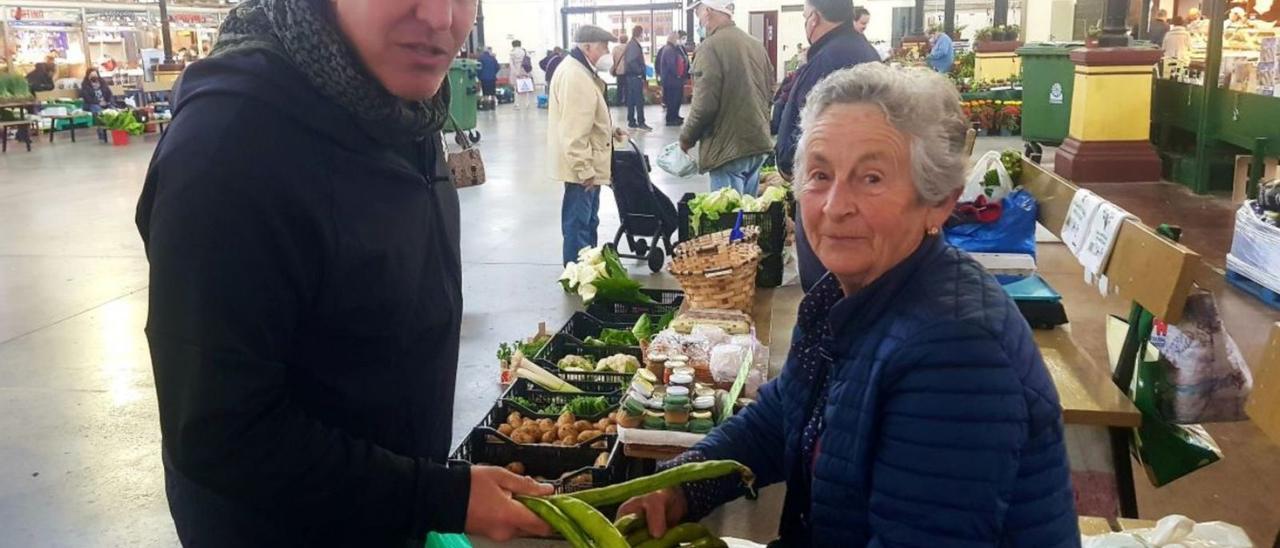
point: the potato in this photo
(546, 425)
(601, 461)
(567, 430)
(569, 439)
(601, 445)
(549, 436)
(516, 467)
(602, 424)
(588, 435)
(565, 419)
(582, 425)
(514, 419)
(506, 429)
(611, 429)
(522, 437)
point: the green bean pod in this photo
(708, 542)
(628, 524)
(687, 532)
(693, 471)
(590, 521)
(638, 536)
(557, 520)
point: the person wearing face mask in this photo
(305, 285)
(835, 43)
(732, 87)
(95, 93)
(579, 137)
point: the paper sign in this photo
(1076, 225)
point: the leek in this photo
(526, 369)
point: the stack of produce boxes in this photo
(565, 431)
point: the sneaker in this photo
(631, 125)
(644, 127)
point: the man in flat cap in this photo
(580, 137)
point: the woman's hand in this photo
(620, 134)
(659, 509)
(493, 513)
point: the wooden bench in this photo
(25, 130)
(1144, 267)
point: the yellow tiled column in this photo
(1109, 135)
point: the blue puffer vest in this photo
(943, 427)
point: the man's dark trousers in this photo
(635, 99)
(672, 96)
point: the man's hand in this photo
(685, 146)
(589, 183)
(493, 513)
(659, 508)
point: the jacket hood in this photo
(268, 78)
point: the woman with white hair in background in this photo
(914, 408)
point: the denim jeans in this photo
(742, 174)
(635, 99)
(579, 219)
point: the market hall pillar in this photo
(1109, 139)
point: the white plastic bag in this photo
(1174, 531)
(1255, 249)
(524, 85)
(726, 362)
(973, 187)
(676, 162)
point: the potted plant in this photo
(120, 124)
(984, 35)
(1010, 120)
(1013, 33)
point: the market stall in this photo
(32, 34)
(1218, 101)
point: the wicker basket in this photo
(718, 240)
(715, 273)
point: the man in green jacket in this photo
(732, 87)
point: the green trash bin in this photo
(464, 91)
(1048, 76)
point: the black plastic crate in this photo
(582, 325)
(567, 468)
(665, 300)
(522, 388)
(562, 345)
(773, 235)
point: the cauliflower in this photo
(573, 362)
(619, 363)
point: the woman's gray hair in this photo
(918, 102)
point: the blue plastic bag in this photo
(1014, 232)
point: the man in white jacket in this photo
(580, 137)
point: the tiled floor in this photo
(79, 443)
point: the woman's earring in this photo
(933, 231)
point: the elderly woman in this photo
(914, 408)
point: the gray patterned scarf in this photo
(305, 33)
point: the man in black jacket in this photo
(634, 76)
(41, 77)
(305, 297)
(834, 44)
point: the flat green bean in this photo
(557, 520)
(638, 536)
(628, 523)
(686, 532)
(708, 542)
(597, 527)
(694, 471)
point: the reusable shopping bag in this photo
(465, 165)
(1014, 232)
(1201, 377)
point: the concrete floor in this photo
(79, 438)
